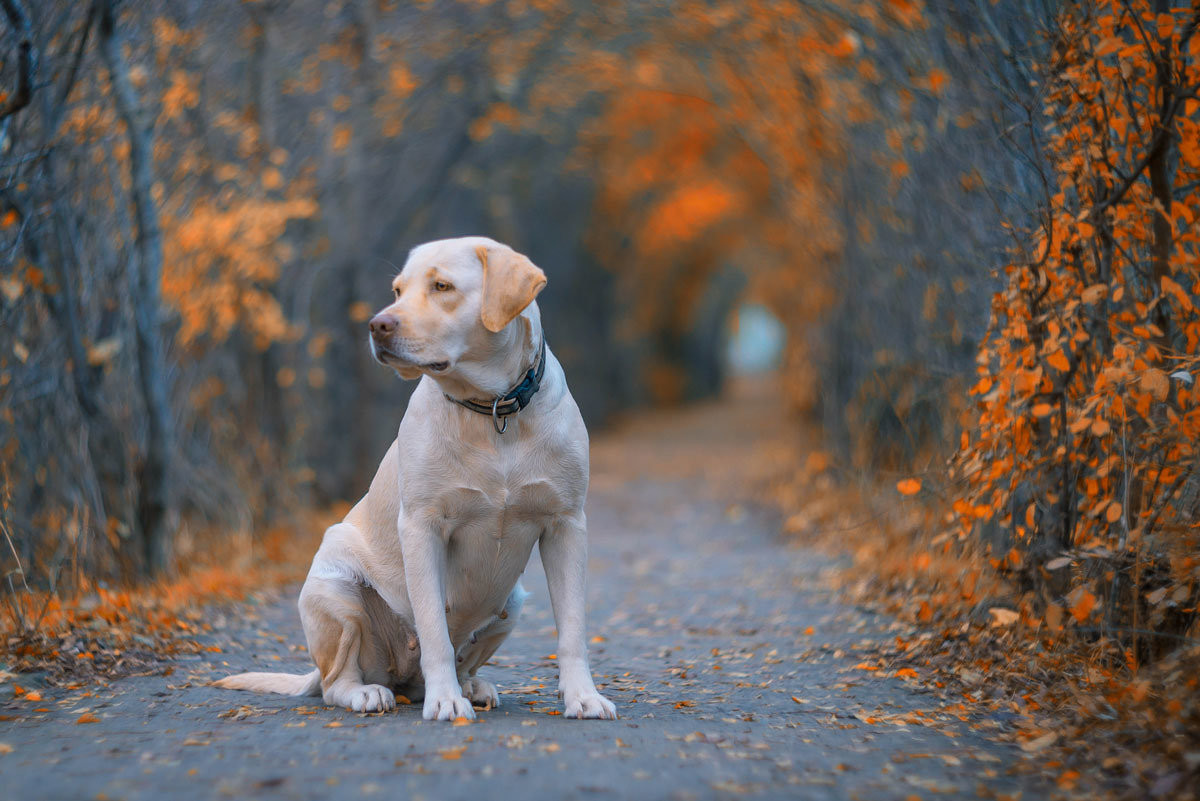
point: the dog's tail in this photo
(283, 683)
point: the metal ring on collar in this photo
(496, 419)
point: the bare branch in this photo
(26, 58)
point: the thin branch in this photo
(26, 58)
(80, 49)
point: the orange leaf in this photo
(925, 614)
(909, 486)
(1114, 512)
(1042, 409)
(1058, 360)
(938, 80)
(1156, 383)
(1081, 610)
(1054, 615)
(1166, 26)
(453, 753)
(1080, 424)
(1173, 288)
(87, 717)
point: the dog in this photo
(420, 584)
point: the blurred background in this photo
(202, 203)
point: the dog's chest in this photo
(500, 510)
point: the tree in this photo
(1087, 413)
(156, 510)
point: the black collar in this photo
(512, 401)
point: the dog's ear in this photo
(510, 283)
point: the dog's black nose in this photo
(383, 324)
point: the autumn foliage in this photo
(1082, 444)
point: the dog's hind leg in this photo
(482, 645)
(337, 627)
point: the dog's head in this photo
(453, 299)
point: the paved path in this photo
(730, 661)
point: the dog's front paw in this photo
(588, 704)
(481, 692)
(372, 698)
(446, 704)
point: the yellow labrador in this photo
(419, 585)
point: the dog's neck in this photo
(511, 354)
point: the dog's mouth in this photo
(390, 358)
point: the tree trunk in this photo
(155, 505)
(1160, 180)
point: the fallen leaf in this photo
(453, 753)
(1082, 605)
(1003, 617)
(87, 717)
(1068, 779)
(908, 486)
(1039, 743)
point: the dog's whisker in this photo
(392, 264)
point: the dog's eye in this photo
(442, 286)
